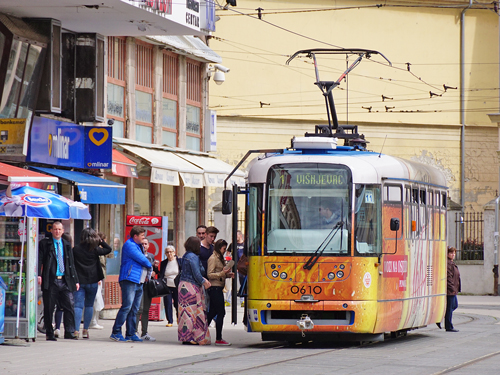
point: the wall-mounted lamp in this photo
(218, 71)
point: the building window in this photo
(193, 108)
(144, 92)
(141, 197)
(169, 104)
(116, 84)
(167, 208)
(192, 210)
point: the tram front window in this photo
(308, 209)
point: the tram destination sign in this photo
(311, 178)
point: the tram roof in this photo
(366, 167)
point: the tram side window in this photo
(254, 220)
(407, 223)
(393, 206)
(368, 230)
(423, 214)
(431, 209)
(414, 224)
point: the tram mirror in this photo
(227, 202)
(394, 224)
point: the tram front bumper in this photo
(327, 316)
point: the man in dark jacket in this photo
(452, 289)
(58, 278)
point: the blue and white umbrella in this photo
(31, 202)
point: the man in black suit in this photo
(58, 278)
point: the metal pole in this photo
(19, 289)
(495, 241)
(234, 290)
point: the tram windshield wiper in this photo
(321, 248)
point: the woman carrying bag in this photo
(217, 273)
(89, 270)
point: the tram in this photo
(342, 243)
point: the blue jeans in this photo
(131, 300)
(84, 304)
(451, 305)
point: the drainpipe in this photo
(462, 105)
(495, 256)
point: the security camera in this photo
(111, 121)
(219, 77)
(222, 68)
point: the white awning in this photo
(186, 45)
(215, 171)
(167, 166)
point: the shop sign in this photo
(146, 221)
(193, 17)
(12, 132)
(162, 6)
(70, 145)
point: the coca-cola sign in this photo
(145, 221)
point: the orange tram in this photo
(342, 243)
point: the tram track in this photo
(259, 354)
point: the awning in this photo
(215, 171)
(9, 173)
(92, 189)
(167, 166)
(123, 166)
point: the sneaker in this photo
(169, 325)
(117, 337)
(134, 337)
(227, 303)
(96, 326)
(147, 337)
(243, 304)
(57, 333)
(222, 343)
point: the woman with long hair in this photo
(193, 327)
(89, 270)
(217, 274)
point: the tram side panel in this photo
(393, 270)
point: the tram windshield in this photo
(308, 209)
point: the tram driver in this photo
(330, 212)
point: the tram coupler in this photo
(305, 323)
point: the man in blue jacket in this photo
(133, 271)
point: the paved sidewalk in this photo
(99, 353)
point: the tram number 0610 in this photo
(306, 289)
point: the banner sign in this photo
(12, 132)
(70, 145)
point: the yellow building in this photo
(417, 108)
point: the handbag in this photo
(158, 288)
(242, 265)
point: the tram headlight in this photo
(275, 273)
(331, 276)
(283, 275)
(340, 274)
(273, 266)
(342, 266)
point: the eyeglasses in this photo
(170, 252)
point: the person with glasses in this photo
(169, 269)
